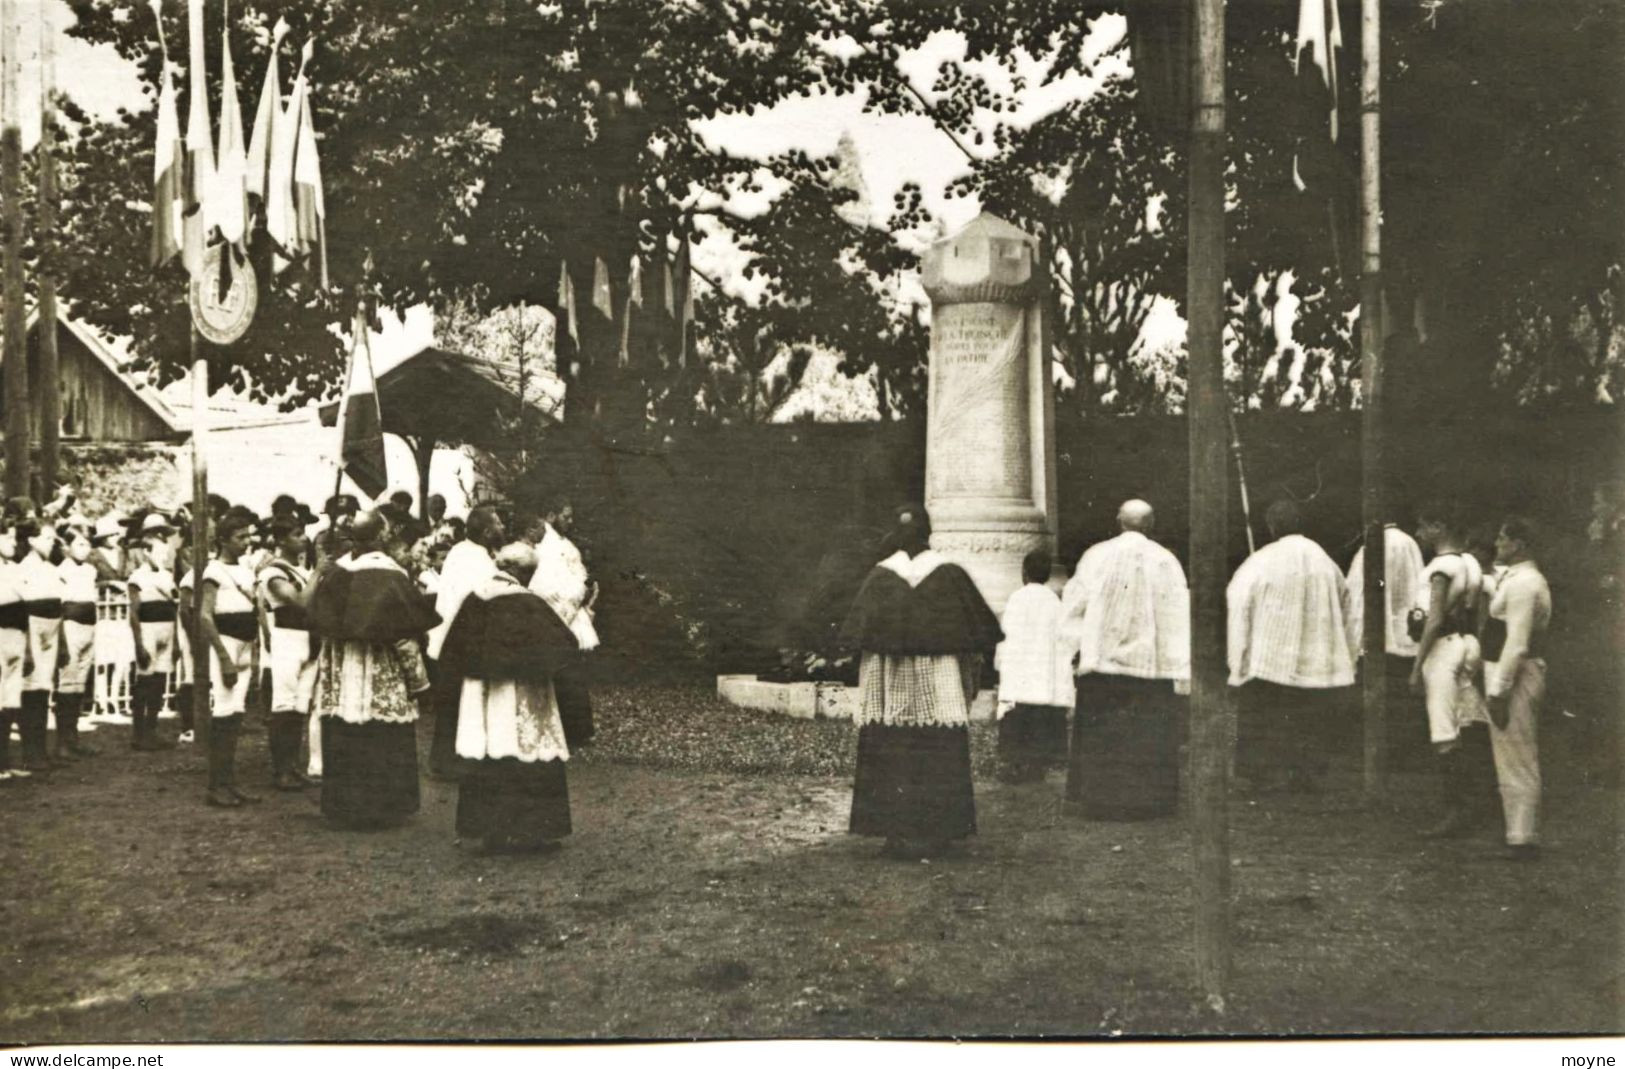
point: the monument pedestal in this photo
(990, 437)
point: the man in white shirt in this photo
(1126, 615)
(469, 564)
(1289, 655)
(1515, 680)
(1402, 582)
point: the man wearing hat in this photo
(107, 549)
(333, 542)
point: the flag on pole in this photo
(1318, 165)
(230, 195)
(1315, 62)
(281, 218)
(199, 177)
(168, 163)
(567, 304)
(601, 299)
(310, 210)
(668, 288)
(634, 299)
(685, 297)
(266, 119)
(361, 449)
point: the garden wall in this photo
(721, 549)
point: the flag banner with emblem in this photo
(361, 453)
(230, 196)
(310, 210)
(168, 164)
(199, 177)
(267, 116)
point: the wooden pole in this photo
(1374, 673)
(13, 350)
(1209, 501)
(50, 379)
(200, 547)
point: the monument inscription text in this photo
(979, 399)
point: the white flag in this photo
(199, 150)
(230, 196)
(266, 119)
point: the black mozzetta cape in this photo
(367, 605)
(512, 636)
(944, 613)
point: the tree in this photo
(476, 148)
(516, 345)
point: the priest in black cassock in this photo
(500, 655)
(371, 682)
(921, 627)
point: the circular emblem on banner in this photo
(222, 319)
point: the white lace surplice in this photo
(1034, 663)
(562, 581)
(1126, 610)
(504, 718)
(1402, 576)
(915, 691)
(1288, 618)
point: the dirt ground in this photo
(728, 901)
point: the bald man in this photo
(501, 654)
(1126, 614)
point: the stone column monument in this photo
(990, 437)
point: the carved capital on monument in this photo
(943, 294)
(989, 261)
(1019, 543)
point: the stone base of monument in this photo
(814, 701)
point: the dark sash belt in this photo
(14, 616)
(45, 608)
(79, 612)
(290, 618)
(238, 625)
(156, 612)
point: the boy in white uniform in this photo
(79, 590)
(229, 627)
(153, 630)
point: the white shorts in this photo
(44, 635)
(159, 641)
(293, 671)
(13, 648)
(232, 701)
(1450, 682)
(79, 640)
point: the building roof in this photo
(102, 351)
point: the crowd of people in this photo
(1465, 619)
(345, 630)
(341, 630)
